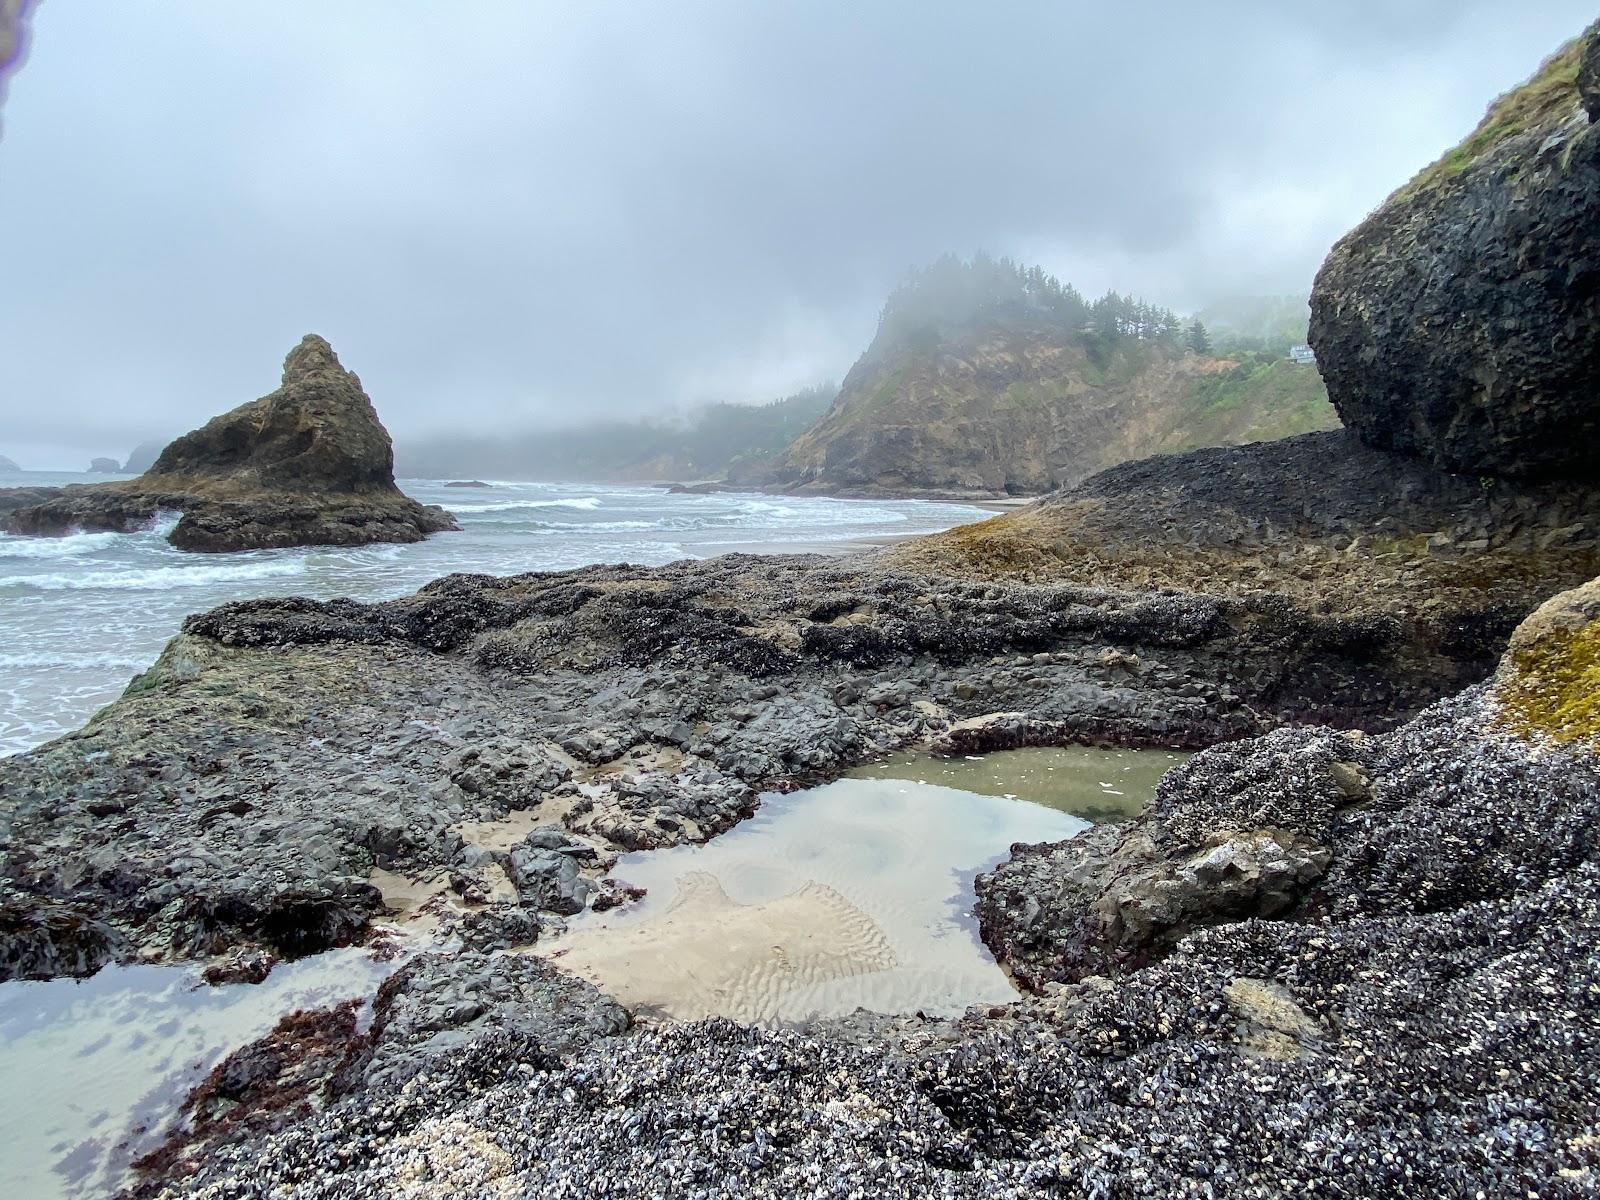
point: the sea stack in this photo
(308, 464)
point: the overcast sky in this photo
(522, 214)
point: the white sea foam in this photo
(158, 578)
(73, 545)
(512, 505)
(71, 662)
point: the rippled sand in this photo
(852, 895)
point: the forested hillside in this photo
(990, 378)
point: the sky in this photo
(516, 215)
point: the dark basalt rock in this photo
(526, 1010)
(41, 938)
(1461, 321)
(104, 466)
(309, 464)
(1420, 1022)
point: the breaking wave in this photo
(512, 505)
(72, 546)
(156, 579)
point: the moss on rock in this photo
(1549, 683)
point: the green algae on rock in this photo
(1549, 684)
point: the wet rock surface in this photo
(309, 464)
(1323, 520)
(1459, 322)
(1422, 1017)
(434, 1007)
(245, 789)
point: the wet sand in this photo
(856, 894)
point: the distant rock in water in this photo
(7, 466)
(473, 483)
(143, 457)
(310, 464)
(104, 466)
(1461, 321)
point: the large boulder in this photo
(1461, 320)
(309, 464)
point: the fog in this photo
(516, 216)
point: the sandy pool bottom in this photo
(857, 894)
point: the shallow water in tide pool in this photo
(856, 894)
(1097, 785)
(91, 1071)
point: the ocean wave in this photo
(157, 579)
(70, 546)
(70, 662)
(511, 505)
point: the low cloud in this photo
(509, 214)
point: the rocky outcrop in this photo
(1549, 684)
(1461, 321)
(1399, 999)
(1322, 520)
(996, 411)
(104, 466)
(318, 432)
(1485, 796)
(682, 692)
(7, 466)
(518, 1008)
(309, 464)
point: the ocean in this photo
(81, 615)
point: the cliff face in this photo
(1461, 321)
(1018, 412)
(309, 464)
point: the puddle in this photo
(1097, 785)
(857, 894)
(95, 1069)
